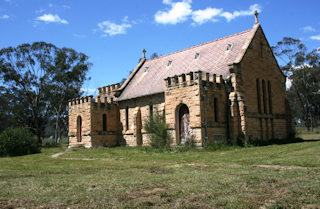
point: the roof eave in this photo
(132, 74)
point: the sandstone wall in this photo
(183, 89)
(91, 113)
(216, 120)
(140, 105)
(80, 107)
(259, 63)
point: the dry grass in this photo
(278, 176)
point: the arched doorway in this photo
(79, 129)
(138, 127)
(184, 124)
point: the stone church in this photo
(215, 92)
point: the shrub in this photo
(19, 141)
(157, 127)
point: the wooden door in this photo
(184, 124)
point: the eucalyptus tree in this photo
(303, 71)
(40, 78)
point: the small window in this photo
(197, 56)
(229, 47)
(216, 111)
(169, 63)
(79, 129)
(104, 122)
(169, 81)
(150, 111)
(146, 69)
(127, 118)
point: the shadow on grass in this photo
(279, 141)
(311, 140)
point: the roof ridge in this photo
(201, 44)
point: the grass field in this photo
(277, 176)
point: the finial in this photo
(144, 53)
(256, 13)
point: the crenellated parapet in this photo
(80, 100)
(192, 78)
(108, 89)
(97, 102)
(110, 92)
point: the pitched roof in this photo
(214, 58)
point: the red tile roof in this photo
(214, 58)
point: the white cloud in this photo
(50, 18)
(88, 90)
(230, 16)
(111, 28)
(178, 12)
(317, 37)
(288, 83)
(205, 15)
(308, 29)
(4, 17)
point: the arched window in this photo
(79, 128)
(258, 96)
(270, 97)
(104, 122)
(264, 96)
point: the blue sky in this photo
(114, 32)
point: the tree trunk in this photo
(56, 129)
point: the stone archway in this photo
(183, 124)
(79, 129)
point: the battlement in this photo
(108, 89)
(95, 102)
(192, 78)
(81, 100)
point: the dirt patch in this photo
(86, 159)
(159, 170)
(65, 151)
(140, 194)
(281, 167)
(153, 191)
(197, 165)
(188, 164)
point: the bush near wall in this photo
(18, 141)
(157, 127)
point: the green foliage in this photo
(19, 141)
(157, 127)
(38, 79)
(241, 140)
(303, 70)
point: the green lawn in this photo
(278, 176)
